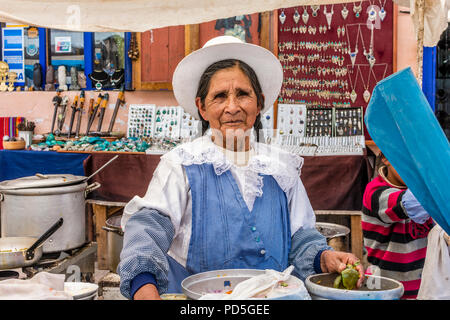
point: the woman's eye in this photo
(242, 93)
(220, 95)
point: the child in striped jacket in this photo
(395, 229)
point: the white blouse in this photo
(169, 191)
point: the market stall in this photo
(115, 98)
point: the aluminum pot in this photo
(28, 205)
(337, 235)
(114, 240)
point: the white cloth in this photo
(133, 15)
(435, 284)
(436, 15)
(170, 194)
(43, 286)
(266, 285)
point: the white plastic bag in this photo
(270, 285)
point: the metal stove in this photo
(77, 264)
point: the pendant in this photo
(353, 56)
(357, 9)
(282, 17)
(382, 13)
(305, 16)
(371, 59)
(353, 96)
(296, 16)
(344, 12)
(366, 95)
(315, 9)
(329, 16)
(372, 13)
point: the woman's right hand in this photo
(147, 292)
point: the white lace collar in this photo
(283, 166)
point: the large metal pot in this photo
(115, 241)
(337, 235)
(28, 205)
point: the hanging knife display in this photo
(62, 115)
(94, 112)
(80, 112)
(102, 112)
(56, 103)
(74, 107)
(120, 101)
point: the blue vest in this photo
(225, 234)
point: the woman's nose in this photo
(232, 105)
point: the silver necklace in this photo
(328, 15)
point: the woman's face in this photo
(231, 102)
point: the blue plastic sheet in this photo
(402, 124)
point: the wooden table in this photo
(101, 211)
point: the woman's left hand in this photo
(336, 261)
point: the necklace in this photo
(353, 94)
(305, 15)
(328, 15)
(315, 9)
(372, 12)
(344, 11)
(382, 12)
(384, 73)
(296, 16)
(357, 9)
(381, 173)
(354, 53)
(366, 94)
(282, 17)
(368, 54)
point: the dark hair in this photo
(205, 80)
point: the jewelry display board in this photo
(150, 121)
(333, 55)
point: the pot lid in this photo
(41, 181)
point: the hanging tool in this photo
(102, 112)
(74, 107)
(120, 100)
(80, 112)
(62, 115)
(56, 103)
(94, 112)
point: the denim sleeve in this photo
(147, 238)
(413, 208)
(306, 248)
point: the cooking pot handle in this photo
(42, 176)
(1, 197)
(91, 188)
(119, 232)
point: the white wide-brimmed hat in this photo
(187, 74)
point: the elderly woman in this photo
(223, 200)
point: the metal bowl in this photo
(195, 286)
(207, 282)
(320, 287)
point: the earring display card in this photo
(141, 120)
(319, 122)
(267, 121)
(189, 126)
(291, 120)
(348, 122)
(168, 122)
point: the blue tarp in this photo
(402, 124)
(21, 163)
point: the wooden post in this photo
(356, 236)
(191, 38)
(101, 236)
